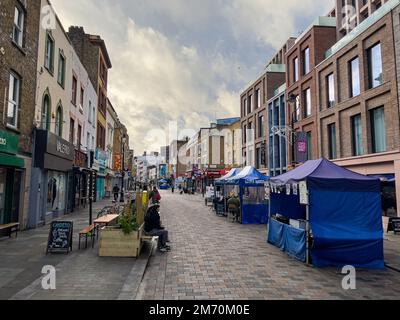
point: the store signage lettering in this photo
(3, 141)
(8, 142)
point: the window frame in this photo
(373, 131)
(307, 103)
(370, 66)
(20, 28)
(50, 67)
(59, 122)
(351, 82)
(306, 61)
(15, 103)
(354, 150)
(329, 103)
(332, 142)
(61, 57)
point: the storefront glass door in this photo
(56, 187)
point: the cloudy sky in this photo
(185, 60)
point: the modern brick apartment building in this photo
(358, 96)
(19, 32)
(351, 13)
(253, 110)
(307, 52)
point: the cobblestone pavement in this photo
(79, 275)
(215, 259)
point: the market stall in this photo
(223, 190)
(249, 184)
(163, 184)
(337, 210)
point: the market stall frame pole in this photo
(308, 232)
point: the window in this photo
(74, 89)
(59, 121)
(18, 28)
(244, 106)
(258, 98)
(330, 85)
(46, 109)
(249, 106)
(244, 133)
(61, 69)
(88, 141)
(79, 137)
(71, 130)
(332, 141)
(309, 146)
(13, 100)
(49, 53)
(298, 109)
(258, 158)
(354, 77)
(295, 69)
(378, 130)
(82, 96)
(356, 132)
(307, 102)
(260, 126)
(306, 60)
(93, 116)
(92, 143)
(90, 112)
(101, 136)
(374, 66)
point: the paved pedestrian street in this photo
(215, 259)
(211, 258)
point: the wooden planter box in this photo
(114, 243)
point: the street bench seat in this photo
(85, 232)
(10, 227)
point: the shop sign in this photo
(301, 147)
(101, 157)
(80, 159)
(117, 162)
(60, 147)
(8, 142)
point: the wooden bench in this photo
(85, 232)
(10, 227)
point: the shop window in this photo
(56, 185)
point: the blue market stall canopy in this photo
(163, 181)
(249, 175)
(229, 175)
(344, 213)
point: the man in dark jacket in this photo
(116, 192)
(152, 227)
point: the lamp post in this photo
(123, 140)
(296, 101)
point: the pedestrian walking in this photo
(234, 207)
(116, 192)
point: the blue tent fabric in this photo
(230, 174)
(254, 214)
(289, 206)
(249, 175)
(289, 239)
(345, 214)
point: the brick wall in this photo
(385, 95)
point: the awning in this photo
(11, 161)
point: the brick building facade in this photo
(19, 29)
(308, 51)
(360, 128)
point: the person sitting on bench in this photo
(153, 227)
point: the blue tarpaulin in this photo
(288, 239)
(250, 178)
(344, 214)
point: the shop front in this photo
(11, 173)
(51, 172)
(101, 158)
(80, 177)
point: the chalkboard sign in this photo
(394, 225)
(60, 237)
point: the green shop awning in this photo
(11, 161)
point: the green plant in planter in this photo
(128, 223)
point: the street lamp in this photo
(123, 140)
(296, 101)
